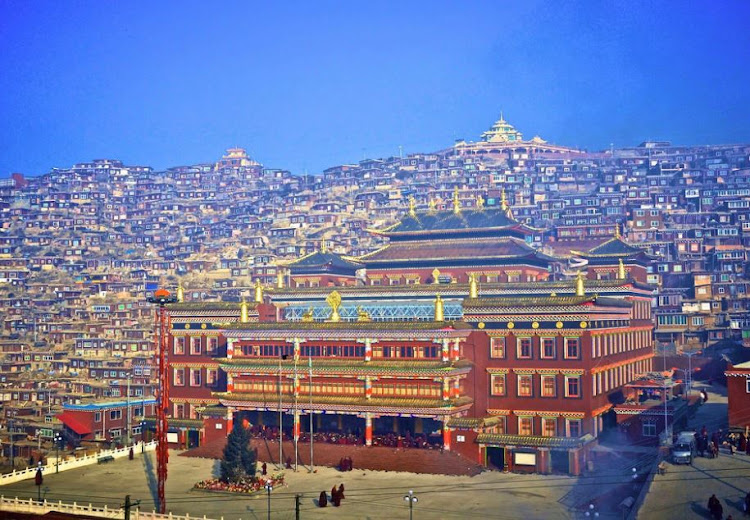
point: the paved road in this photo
(684, 491)
(371, 495)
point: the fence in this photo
(66, 464)
(31, 506)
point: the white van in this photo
(684, 450)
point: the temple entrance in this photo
(496, 457)
(193, 438)
(560, 461)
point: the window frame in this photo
(521, 420)
(497, 344)
(568, 381)
(519, 346)
(566, 352)
(530, 385)
(498, 377)
(547, 377)
(542, 348)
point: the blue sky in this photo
(308, 85)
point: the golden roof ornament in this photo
(580, 291)
(279, 278)
(363, 315)
(617, 231)
(258, 292)
(432, 205)
(456, 202)
(334, 302)
(621, 274)
(439, 310)
(436, 275)
(307, 316)
(503, 201)
(243, 311)
(480, 202)
(180, 293)
(323, 248)
(473, 286)
(412, 206)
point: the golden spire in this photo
(412, 206)
(258, 292)
(436, 275)
(617, 231)
(432, 204)
(243, 311)
(480, 202)
(503, 201)
(334, 302)
(279, 278)
(180, 293)
(323, 248)
(307, 316)
(456, 202)
(621, 275)
(580, 291)
(439, 312)
(473, 286)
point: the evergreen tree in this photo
(239, 459)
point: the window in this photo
(524, 386)
(195, 346)
(571, 348)
(698, 321)
(195, 377)
(548, 348)
(572, 386)
(747, 385)
(574, 427)
(498, 384)
(114, 415)
(524, 348)
(525, 426)
(211, 376)
(212, 346)
(98, 417)
(497, 348)
(179, 345)
(179, 377)
(649, 429)
(549, 388)
(549, 427)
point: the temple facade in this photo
(480, 354)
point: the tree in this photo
(239, 459)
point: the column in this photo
(368, 429)
(230, 420)
(368, 387)
(445, 351)
(542, 461)
(296, 348)
(574, 456)
(446, 436)
(509, 458)
(296, 385)
(230, 383)
(456, 387)
(456, 349)
(296, 428)
(446, 389)
(230, 348)
(368, 349)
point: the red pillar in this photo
(575, 462)
(446, 438)
(368, 430)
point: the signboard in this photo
(524, 459)
(172, 438)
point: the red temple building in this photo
(738, 396)
(456, 339)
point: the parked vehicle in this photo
(684, 449)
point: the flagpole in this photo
(311, 415)
(296, 426)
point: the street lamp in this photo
(269, 488)
(38, 480)
(143, 436)
(58, 441)
(690, 368)
(592, 511)
(412, 500)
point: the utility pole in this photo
(128, 506)
(312, 466)
(127, 417)
(12, 452)
(296, 505)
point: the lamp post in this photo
(269, 488)
(690, 369)
(143, 437)
(412, 499)
(58, 441)
(38, 480)
(592, 512)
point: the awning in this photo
(75, 424)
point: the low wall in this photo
(78, 462)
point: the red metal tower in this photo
(161, 335)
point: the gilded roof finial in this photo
(363, 315)
(473, 286)
(323, 248)
(307, 316)
(439, 311)
(243, 311)
(580, 290)
(412, 206)
(258, 292)
(436, 275)
(279, 278)
(180, 293)
(503, 201)
(432, 204)
(334, 302)
(617, 231)
(621, 274)
(456, 202)
(480, 202)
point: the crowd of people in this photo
(391, 440)
(720, 439)
(337, 495)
